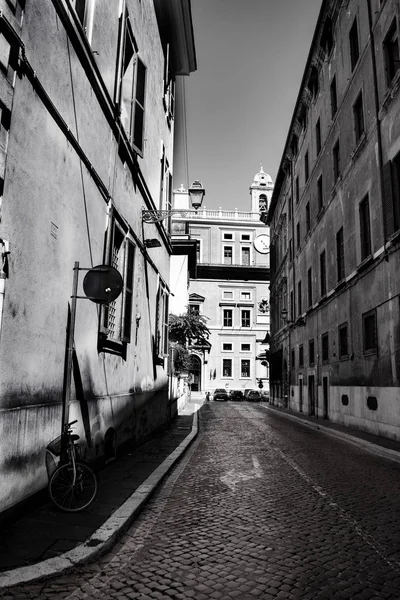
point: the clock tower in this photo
(261, 192)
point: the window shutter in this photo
(128, 290)
(138, 125)
(388, 212)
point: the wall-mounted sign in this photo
(261, 243)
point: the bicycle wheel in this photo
(69, 496)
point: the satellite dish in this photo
(103, 284)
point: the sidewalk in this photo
(47, 541)
(380, 446)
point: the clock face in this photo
(261, 243)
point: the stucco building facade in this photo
(230, 287)
(87, 105)
(334, 218)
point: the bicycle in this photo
(73, 484)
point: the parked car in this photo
(220, 394)
(252, 396)
(236, 395)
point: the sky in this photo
(239, 103)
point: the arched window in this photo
(262, 203)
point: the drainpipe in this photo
(378, 122)
(4, 252)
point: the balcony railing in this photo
(237, 215)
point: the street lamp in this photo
(196, 195)
(300, 321)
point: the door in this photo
(195, 369)
(325, 391)
(301, 394)
(311, 395)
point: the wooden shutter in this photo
(128, 290)
(388, 212)
(138, 123)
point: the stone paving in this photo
(259, 507)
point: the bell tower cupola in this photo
(261, 191)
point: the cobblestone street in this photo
(259, 507)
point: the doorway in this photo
(195, 369)
(301, 394)
(325, 391)
(311, 395)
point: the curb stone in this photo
(105, 536)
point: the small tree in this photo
(186, 330)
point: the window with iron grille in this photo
(365, 228)
(311, 352)
(130, 93)
(391, 52)
(370, 337)
(354, 44)
(227, 317)
(245, 368)
(227, 367)
(246, 318)
(116, 317)
(325, 347)
(343, 341)
(340, 254)
(358, 115)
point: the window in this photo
(365, 228)
(245, 256)
(306, 167)
(194, 309)
(294, 145)
(245, 237)
(246, 318)
(325, 347)
(227, 347)
(322, 272)
(297, 184)
(262, 203)
(320, 193)
(343, 341)
(131, 90)
(391, 196)
(318, 136)
(245, 348)
(5, 49)
(169, 86)
(299, 307)
(292, 313)
(293, 359)
(358, 115)
(309, 281)
(334, 102)
(336, 161)
(340, 254)
(166, 188)
(226, 367)
(391, 52)
(311, 352)
(162, 321)
(245, 367)
(116, 317)
(301, 356)
(245, 295)
(228, 255)
(298, 234)
(228, 317)
(227, 294)
(308, 217)
(227, 236)
(369, 332)
(354, 45)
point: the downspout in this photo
(3, 276)
(378, 122)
